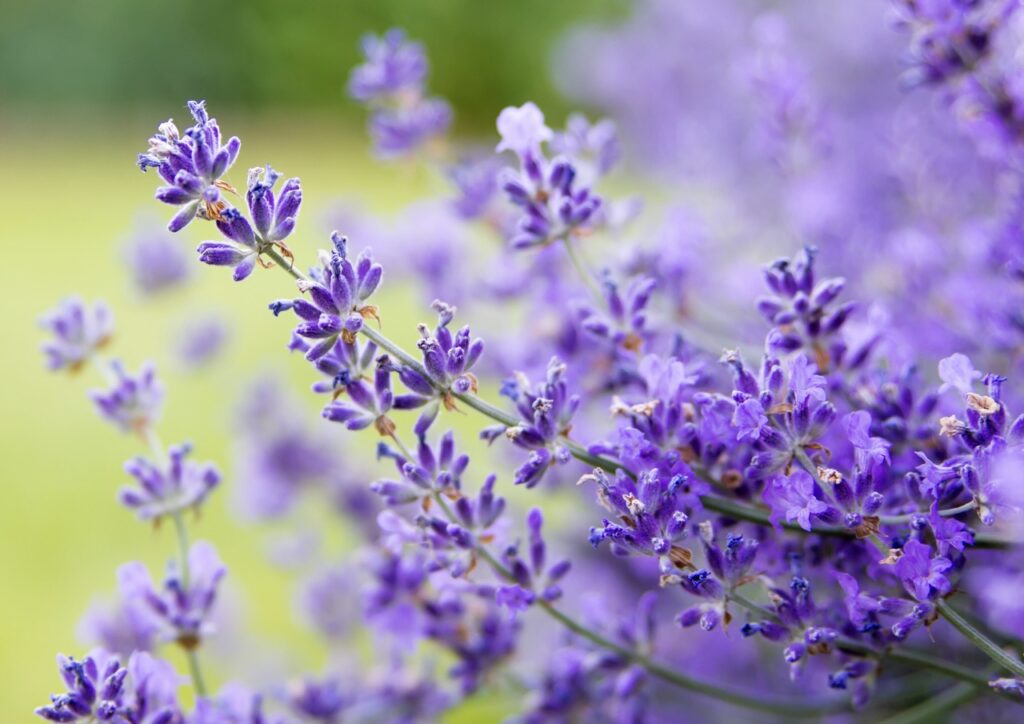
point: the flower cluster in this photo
(391, 82)
(823, 487)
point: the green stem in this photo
(183, 547)
(671, 676)
(989, 647)
(936, 708)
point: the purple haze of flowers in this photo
(200, 341)
(99, 688)
(156, 262)
(183, 607)
(192, 164)
(957, 373)
(391, 82)
(121, 628)
(132, 404)
(170, 487)
(78, 330)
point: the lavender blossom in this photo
(553, 208)
(101, 689)
(168, 488)
(392, 82)
(132, 404)
(156, 262)
(337, 306)
(78, 332)
(192, 164)
(183, 607)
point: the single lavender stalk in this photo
(181, 532)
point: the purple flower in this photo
(957, 373)
(120, 628)
(793, 498)
(624, 320)
(594, 148)
(273, 216)
(447, 359)
(921, 574)
(397, 132)
(547, 410)
(168, 488)
(431, 471)
(156, 262)
(860, 607)
(366, 405)
(522, 130)
(78, 331)
(749, 420)
(391, 82)
(336, 308)
(392, 65)
(553, 207)
(100, 689)
(192, 165)
(201, 341)
(318, 701)
(183, 607)
(870, 451)
(132, 404)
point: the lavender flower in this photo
(78, 332)
(132, 404)
(100, 689)
(156, 262)
(337, 306)
(447, 360)
(183, 607)
(391, 82)
(553, 208)
(168, 488)
(547, 410)
(192, 164)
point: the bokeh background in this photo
(81, 84)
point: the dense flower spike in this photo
(101, 689)
(392, 83)
(78, 331)
(132, 404)
(337, 305)
(183, 607)
(192, 164)
(168, 488)
(554, 208)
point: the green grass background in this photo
(71, 194)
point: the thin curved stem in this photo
(181, 533)
(665, 673)
(989, 647)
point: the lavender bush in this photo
(819, 484)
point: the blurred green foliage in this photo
(485, 55)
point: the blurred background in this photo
(81, 87)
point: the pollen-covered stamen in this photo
(951, 426)
(982, 404)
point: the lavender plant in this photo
(836, 503)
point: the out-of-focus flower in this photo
(77, 330)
